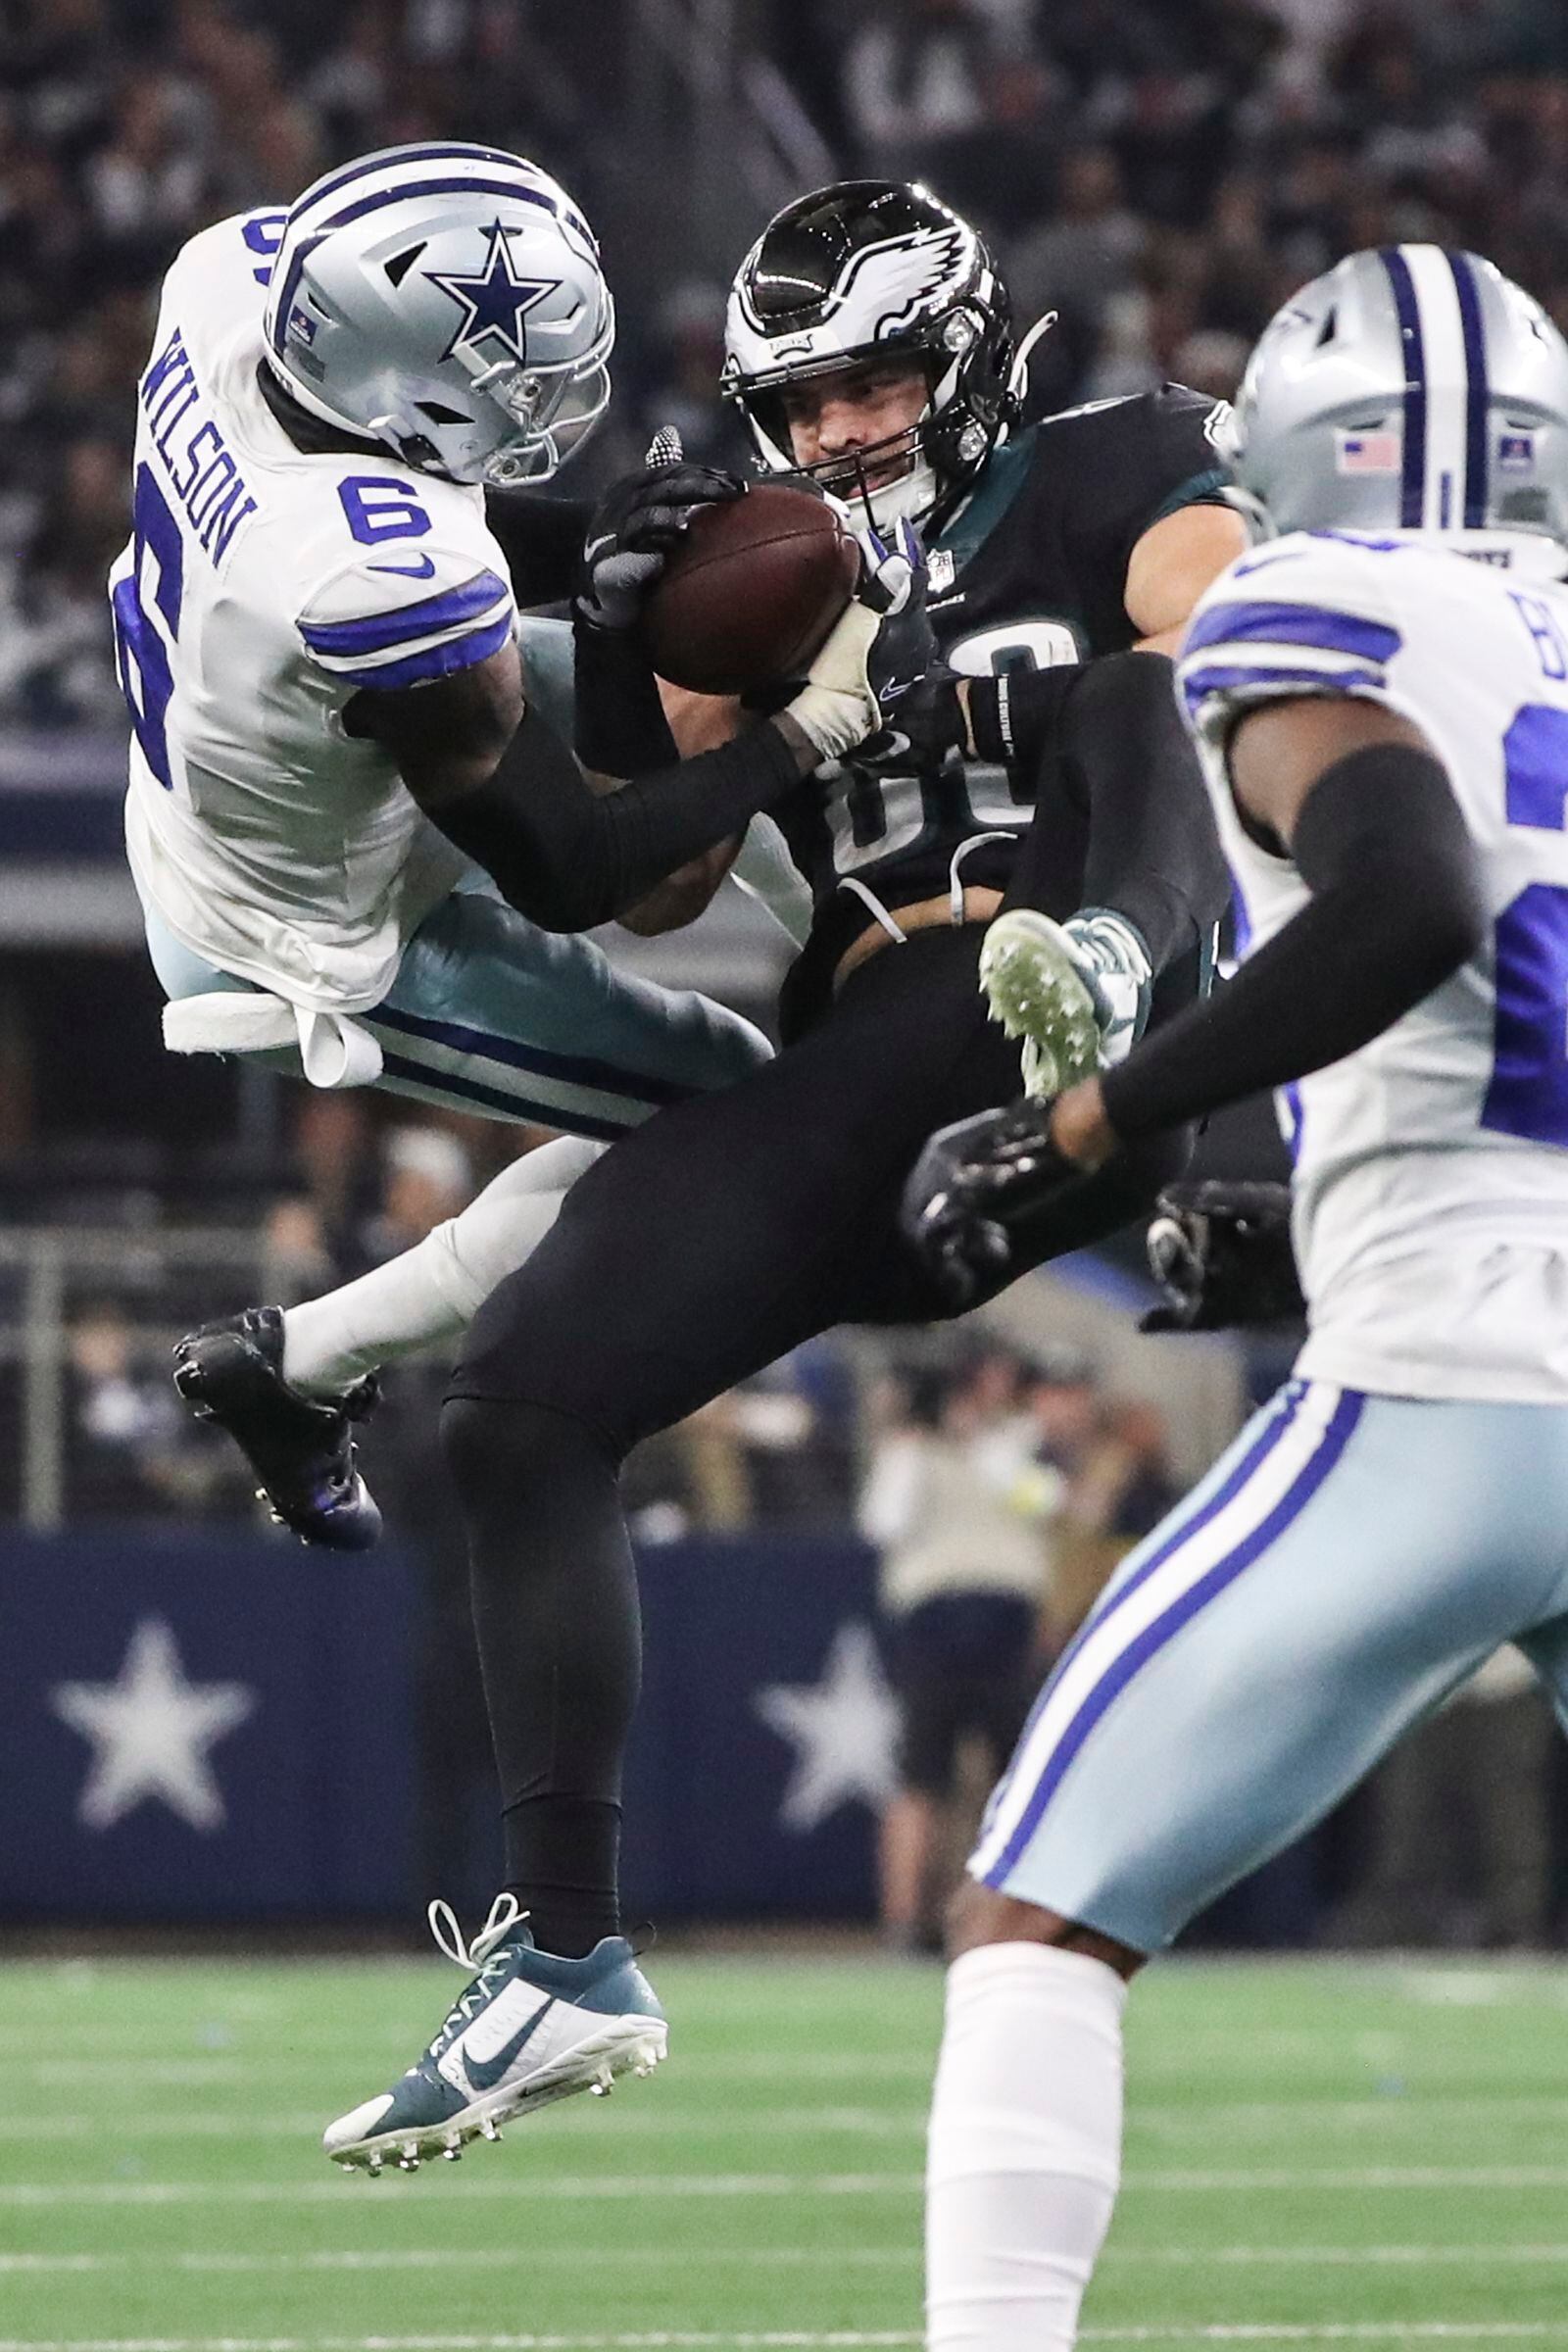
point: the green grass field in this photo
(1315, 2152)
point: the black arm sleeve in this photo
(621, 728)
(542, 540)
(568, 858)
(1396, 907)
(1153, 855)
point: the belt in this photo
(977, 906)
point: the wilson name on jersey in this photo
(263, 589)
(1030, 574)
(1431, 1166)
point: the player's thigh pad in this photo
(1346, 1563)
(490, 1013)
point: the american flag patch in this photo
(1516, 451)
(1367, 453)
(301, 324)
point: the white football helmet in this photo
(446, 299)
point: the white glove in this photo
(837, 706)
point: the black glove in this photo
(1222, 1253)
(970, 1183)
(634, 525)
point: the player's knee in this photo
(499, 1449)
(736, 1049)
(980, 1915)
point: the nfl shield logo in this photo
(939, 568)
(1516, 451)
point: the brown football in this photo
(751, 592)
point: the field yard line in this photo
(788, 2341)
(44, 2193)
(494, 2258)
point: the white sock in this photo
(1024, 2155)
(434, 1289)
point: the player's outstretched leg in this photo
(301, 1448)
(1076, 993)
(530, 2030)
(286, 1384)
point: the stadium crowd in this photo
(1161, 173)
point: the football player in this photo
(358, 851)
(870, 346)
(730, 1229)
(1380, 699)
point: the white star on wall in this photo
(843, 1730)
(151, 1731)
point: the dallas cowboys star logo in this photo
(494, 303)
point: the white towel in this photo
(334, 1049)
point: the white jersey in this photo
(262, 590)
(1431, 1189)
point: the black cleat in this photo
(298, 1447)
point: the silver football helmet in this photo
(448, 300)
(1410, 388)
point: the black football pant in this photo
(704, 1246)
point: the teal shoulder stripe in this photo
(1198, 489)
(1003, 477)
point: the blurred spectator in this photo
(955, 1503)
(1114, 1485)
(1459, 1839)
(132, 1449)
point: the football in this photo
(751, 592)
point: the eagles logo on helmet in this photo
(874, 270)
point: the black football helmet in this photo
(876, 269)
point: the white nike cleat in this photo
(1076, 993)
(530, 2029)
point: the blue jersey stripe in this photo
(1294, 624)
(568, 1069)
(1477, 392)
(1198, 684)
(436, 662)
(494, 1097)
(1154, 1639)
(1412, 496)
(421, 619)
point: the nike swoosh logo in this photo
(485, 2073)
(424, 570)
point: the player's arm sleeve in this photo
(1397, 903)
(1152, 855)
(1170, 462)
(415, 614)
(570, 858)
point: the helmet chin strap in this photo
(910, 499)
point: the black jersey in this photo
(1030, 573)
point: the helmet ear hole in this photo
(398, 267)
(1327, 332)
(442, 415)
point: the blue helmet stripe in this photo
(512, 188)
(373, 165)
(1477, 394)
(1412, 498)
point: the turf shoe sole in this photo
(1038, 984)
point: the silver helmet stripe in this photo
(1446, 389)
